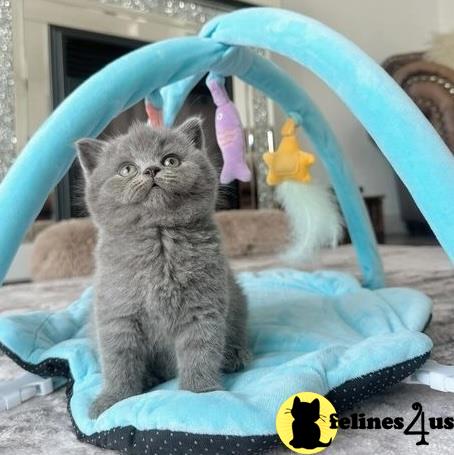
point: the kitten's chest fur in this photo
(157, 270)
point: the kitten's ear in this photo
(296, 400)
(316, 405)
(192, 128)
(89, 151)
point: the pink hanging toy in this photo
(154, 114)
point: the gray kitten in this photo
(166, 301)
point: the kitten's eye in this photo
(127, 170)
(171, 161)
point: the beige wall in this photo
(445, 15)
(380, 28)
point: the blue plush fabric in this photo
(308, 331)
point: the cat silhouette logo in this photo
(303, 423)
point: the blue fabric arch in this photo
(240, 61)
(390, 117)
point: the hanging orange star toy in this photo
(288, 162)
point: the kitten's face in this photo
(162, 176)
(306, 411)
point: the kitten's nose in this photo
(151, 171)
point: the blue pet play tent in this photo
(321, 332)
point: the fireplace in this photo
(75, 56)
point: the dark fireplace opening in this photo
(75, 56)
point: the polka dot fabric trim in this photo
(359, 389)
(165, 442)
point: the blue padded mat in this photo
(308, 332)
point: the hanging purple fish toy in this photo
(229, 134)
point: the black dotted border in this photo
(158, 442)
(359, 389)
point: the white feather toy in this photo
(314, 218)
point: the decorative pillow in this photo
(65, 249)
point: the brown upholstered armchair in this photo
(431, 86)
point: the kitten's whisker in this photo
(324, 425)
(135, 185)
(134, 189)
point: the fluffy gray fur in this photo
(166, 301)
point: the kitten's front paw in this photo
(102, 403)
(199, 385)
(236, 359)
